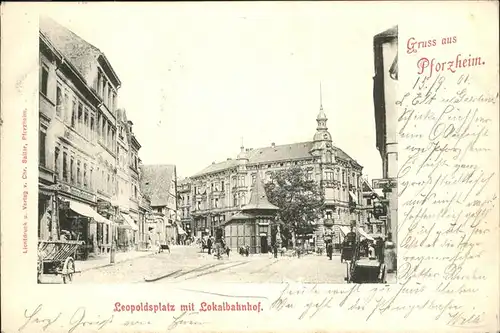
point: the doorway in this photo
(264, 247)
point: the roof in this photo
(365, 185)
(293, 151)
(240, 216)
(258, 197)
(155, 182)
(215, 167)
(82, 55)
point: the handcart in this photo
(57, 257)
(363, 270)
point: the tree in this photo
(300, 200)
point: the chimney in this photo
(229, 158)
(273, 145)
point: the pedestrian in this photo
(275, 250)
(209, 245)
(329, 249)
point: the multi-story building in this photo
(78, 144)
(384, 91)
(127, 182)
(184, 205)
(222, 189)
(159, 183)
(372, 206)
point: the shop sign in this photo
(77, 192)
(385, 183)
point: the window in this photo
(198, 205)
(309, 175)
(379, 229)
(105, 92)
(222, 186)
(99, 132)
(73, 114)
(56, 160)
(253, 178)
(91, 183)
(80, 118)
(59, 101)
(216, 203)
(108, 135)
(328, 157)
(92, 128)
(85, 183)
(78, 179)
(329, 175)
(103, 132)
(65, 167)
(67, 108)
(99, 83)
(108, 184)
(86, 123)
(235, 200)
(41, 148)
(329, 215)
(44, 81)
(369, 202)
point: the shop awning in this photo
(353, 197)
(344, 230)
(86, 210)
(361, 232)
(130, 222)
(364, 234)
(180, 231)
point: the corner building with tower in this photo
(223, 189)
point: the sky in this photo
(200, 78)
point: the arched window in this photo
(328, 157)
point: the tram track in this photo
(201, 270)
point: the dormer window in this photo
(325, 136)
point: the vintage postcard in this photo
(257, 167)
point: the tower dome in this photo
(322, 138)
(243, 155)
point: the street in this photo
(188, 263)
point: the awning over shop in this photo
(130, 222)
(344, 230)
(180, 231)
(361, 232)
(364, 234)
(353, 197)
(86, 210)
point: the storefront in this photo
(47, 213)
(79, 221)
(127, 231)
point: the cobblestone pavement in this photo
(186, 263)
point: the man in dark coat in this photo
(329, 249)
(209, 245)
(275, 250)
